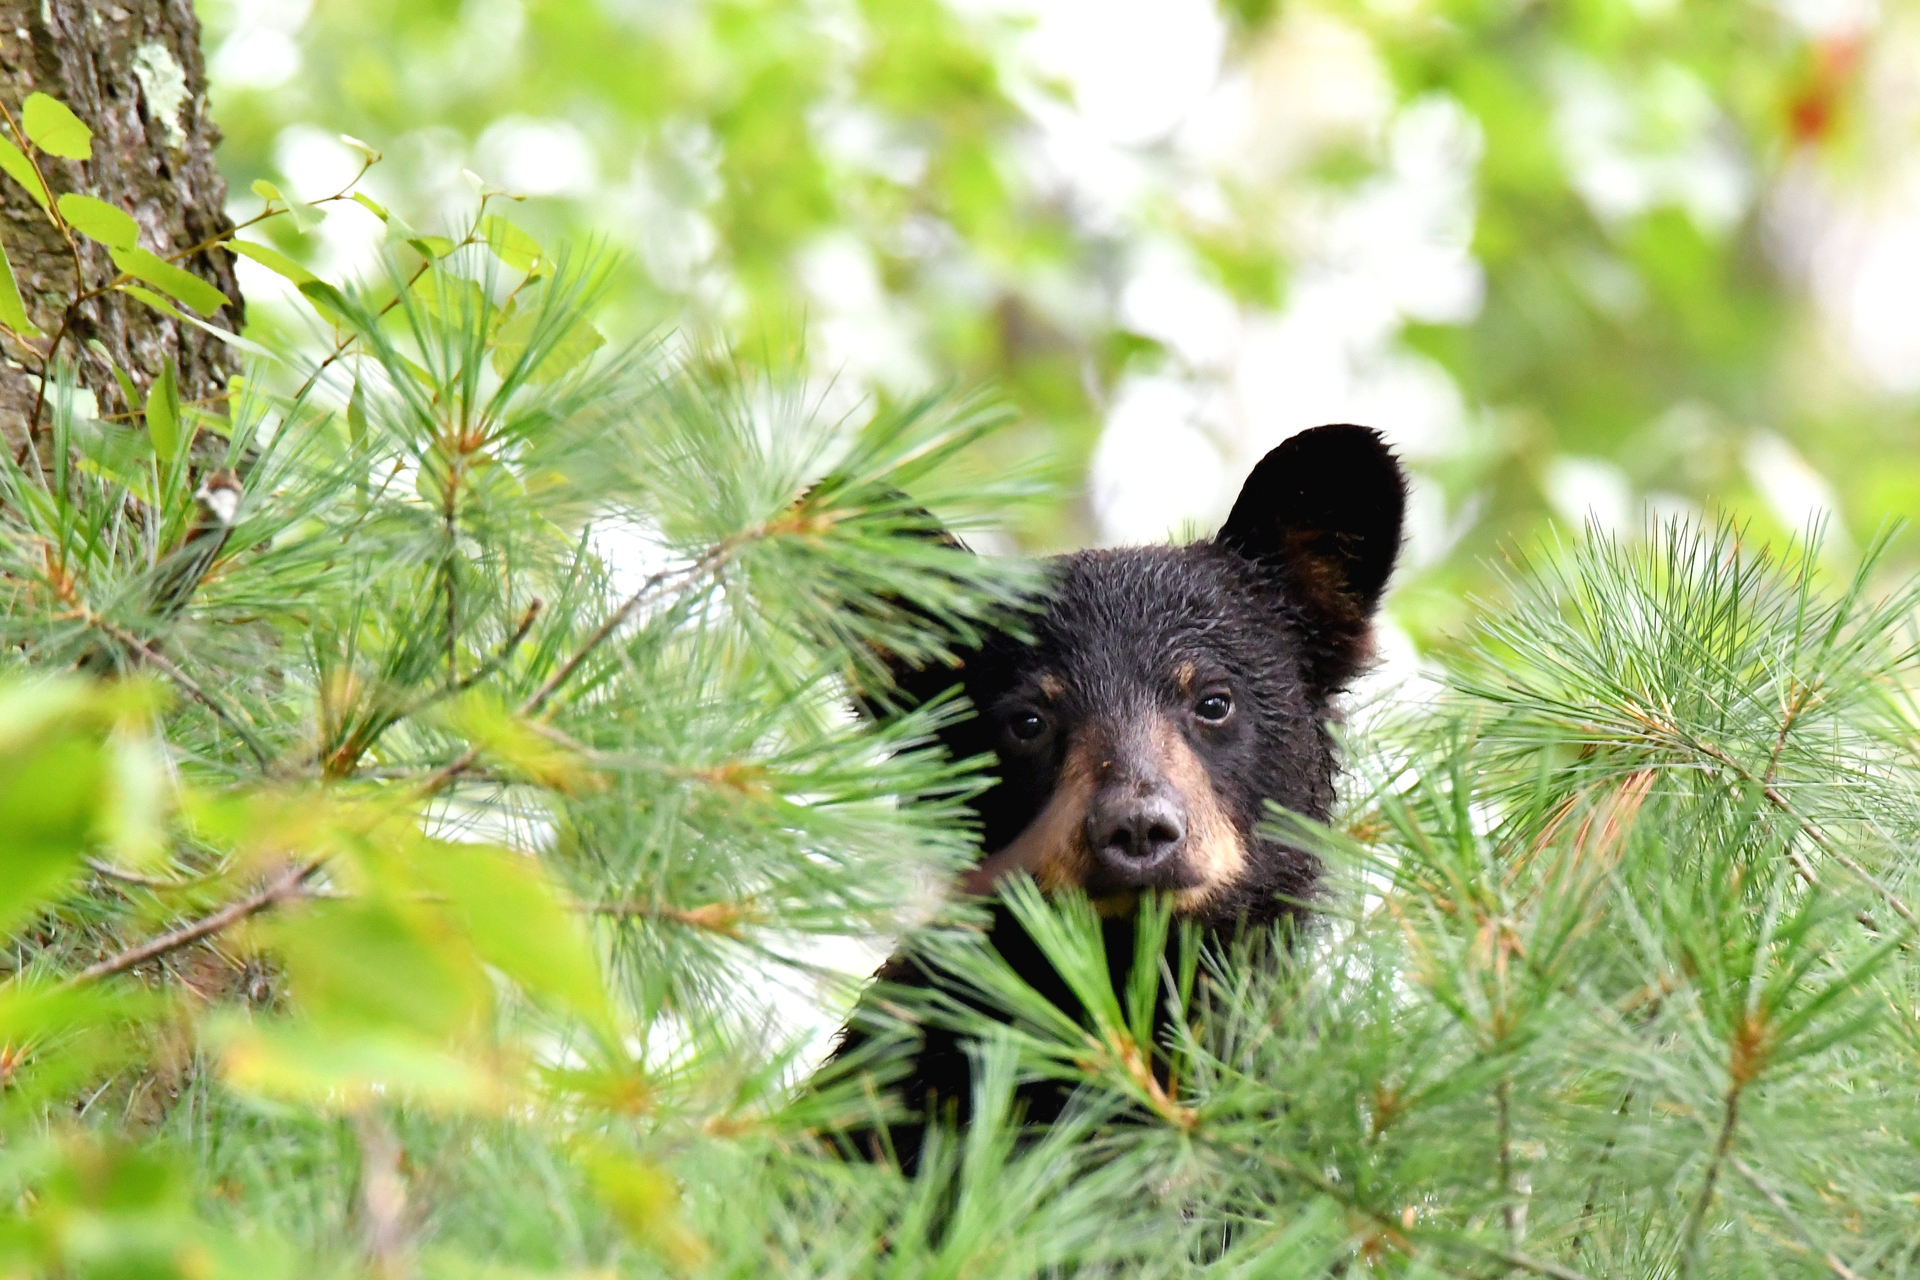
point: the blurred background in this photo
(1581, 261)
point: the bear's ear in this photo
(1324, 510)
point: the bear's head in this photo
(1164, 694)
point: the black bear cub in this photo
(1165, 695)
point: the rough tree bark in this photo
(132, 71)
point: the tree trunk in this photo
(132, 71)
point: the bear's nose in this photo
(1133, 833)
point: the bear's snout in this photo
(1135, 828)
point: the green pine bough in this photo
(428, 804)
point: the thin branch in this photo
(715, 917)
(345, 757)
(1779, 1202)
(1773, 797)
(505, 652)
(453, 768)
(1396, 1230)
(1722, 1151)
(220, 241)
(167, 668)
(1511, 1212)
(565, 670)
(124, 876)
(346, 340)
(284, 885)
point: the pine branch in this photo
(1779, 802)
(724, 918)
(166, 667)
(1779, 1202)
(124, 876)
(285, 885)
(1395, 1231)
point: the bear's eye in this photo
(1026, 726)
(1214, 708)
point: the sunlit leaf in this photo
(381, 964)
(512, 742)
(172, 312)
(645, 1201)
(306, 217)
(13, 312)
(173, 281)
(509, 243)
(98, 220)
(272, 259)
(53, 128)
(133, 818)
(16, 165)
(52, 778)
(579, 341)
(163, 414)
(517, 922)
(332, 1069)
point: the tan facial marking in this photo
(1052, 686)
(1214, 853)
(1184, 675)
(1053, 847)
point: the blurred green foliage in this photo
(1662, 338)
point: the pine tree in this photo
(432, 810)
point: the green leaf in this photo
(116, 453)
(173, 281)
(166, 308)
(328, 301)
(433, 246)
(132, 817)
(517, 922)
(509, 243)
(21, 170)
(321, 1067)
(561, 356)
(305, 216)
(13, 312)
(373, 157)
(267, 191)
(645, 1201)
(381, 964)
(357, 415)
(98, 220)
(163, 413)
(448, 297)
(371, 205)
(55, 129)
(272, 259)
(127, 389)
(502, 736)
(51, 776)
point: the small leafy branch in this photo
(44, 126)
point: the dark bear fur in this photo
(1165, 695)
